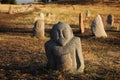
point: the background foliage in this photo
(8, 1)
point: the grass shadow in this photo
(15, 28)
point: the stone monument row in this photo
(64, 50)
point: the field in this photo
(22, 56)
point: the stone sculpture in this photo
(98, 27)
(38, 29)
(63, 50)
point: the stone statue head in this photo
(61, 33)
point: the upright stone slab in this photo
(11, 9)
(110, 20)
(81, 24)
(64, 50)
(88, 13)
(87, 18)
(98, 27)
(38, 29)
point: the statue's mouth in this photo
(62, 42)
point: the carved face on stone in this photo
(61, 33)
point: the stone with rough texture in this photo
(81, 24)
(38, 29)
(98, 27)
(63, 50)
(103, 20)
(110, 20)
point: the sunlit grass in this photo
(64, 13)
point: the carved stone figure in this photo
(38, 29)
(98, 27)
(63, 50)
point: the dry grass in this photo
(65, 13)
(23, 56)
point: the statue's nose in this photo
(60, 34)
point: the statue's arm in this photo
(79, 57)
(50, 56)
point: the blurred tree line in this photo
(8, 1)
(67, 1)
(78, 1)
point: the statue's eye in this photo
(63, 32)
(60, 33)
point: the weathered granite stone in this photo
(98, 27)
(63, 50)
(38, 29)
(110, 20)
